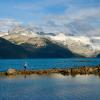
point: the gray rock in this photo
(11, 71)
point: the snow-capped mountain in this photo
(3, 33)
(37, 47)
(79, 45)
(26, 31)
(82, 45)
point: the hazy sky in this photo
(69, 16)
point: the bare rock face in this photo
(20, 39)
(39, 47)
(11, 71)
(80, 46)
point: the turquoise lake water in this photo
(50, 87)
(48, 63)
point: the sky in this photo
(68, 16)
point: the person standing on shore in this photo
(25, 66)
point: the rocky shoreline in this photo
(66, 71)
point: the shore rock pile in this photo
(11, 71)
(65, 71)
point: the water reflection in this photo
(50, 87)
(55, 75)
(52, 75)
(11, 76)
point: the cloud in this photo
(82, 21)
(95, 32)
(6, 24)
(80, 17)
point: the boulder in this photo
(11, 71)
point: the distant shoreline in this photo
(65, 71)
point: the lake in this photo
(50, 87)
(48, 63)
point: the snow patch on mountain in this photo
(81, 45)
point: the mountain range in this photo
(22, 42)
